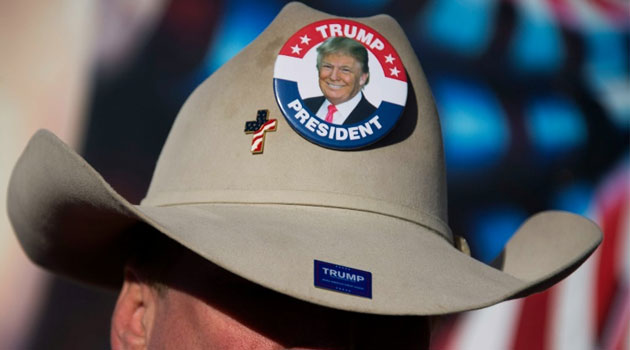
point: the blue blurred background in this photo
(534, 99)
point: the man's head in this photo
(174, 298)
(342, 65)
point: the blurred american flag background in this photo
(534, 99)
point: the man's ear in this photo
(363, 79)
(134, 313)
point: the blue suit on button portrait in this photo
(363, 110)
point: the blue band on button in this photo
(343, 279)
(342, 137)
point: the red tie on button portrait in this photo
(331, 110)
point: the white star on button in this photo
(305, 39)
(296, 49)
(389, 59)
(394, 71)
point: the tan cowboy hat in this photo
(378, 211)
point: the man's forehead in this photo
(201, 284)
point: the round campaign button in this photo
(340, 84)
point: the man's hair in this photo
(346, 46)
(153, 255)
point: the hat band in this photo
(306, 198)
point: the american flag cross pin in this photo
(259, 127)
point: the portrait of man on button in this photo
(342, 68)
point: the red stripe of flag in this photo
(533, 324)
(607, 282)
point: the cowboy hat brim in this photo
(70, 221)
